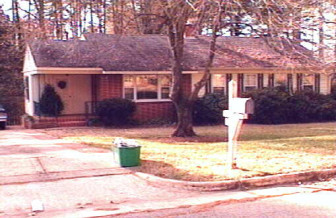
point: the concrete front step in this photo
(52, 124)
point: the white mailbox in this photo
(242, 105)
(239, 108)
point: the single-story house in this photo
(84, 72)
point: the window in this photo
(166, 83)
(218, 83)
(250, 81)
(129, 87)
(146, 87)
(280, 79)
(308, 82)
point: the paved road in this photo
(306, 205)
(73, 180)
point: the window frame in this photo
(255, 86)
(135, 88)
(223, 86)
(277, 78)
(306, 85)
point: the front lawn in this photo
(263, 149)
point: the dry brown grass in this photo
(263, 149)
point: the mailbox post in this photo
(239, 108)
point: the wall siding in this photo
(324, 84)
(74, 96)
(195, 78)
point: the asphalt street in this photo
(306, 205)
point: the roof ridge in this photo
(243, 55)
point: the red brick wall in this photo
(49, 122)
(109, 86)
(186, 84)
(147, 111)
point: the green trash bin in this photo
(128, 156)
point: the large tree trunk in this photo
(40, 7)
(184, 102)
(184, 126)
(16, 19)
(181, 101)
(321, 33)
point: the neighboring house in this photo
(84, 72)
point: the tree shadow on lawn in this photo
(195, 139)
(165, 170)
(168, 171)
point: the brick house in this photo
(139, 68)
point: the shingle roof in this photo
(152, 53)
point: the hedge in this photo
(272, 106)
(115, 111)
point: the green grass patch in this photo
(263, 149)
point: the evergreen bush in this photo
(209, 109)
(115, 111)
(275, 106)
(50, 103)
(272, 106)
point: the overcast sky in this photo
(7, 4)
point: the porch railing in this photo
(90, 109)
(14, 120)
(37, 111)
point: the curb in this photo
(242, 184)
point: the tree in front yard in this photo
(277, 22)
(51, 103)
(11, 59)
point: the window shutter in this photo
(299, 81)
(240, 84)
(208, 85)
(317, 82)
(260, 80)
(228, 79)
(290, 83)
(271, 80)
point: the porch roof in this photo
(152, 53)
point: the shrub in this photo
(115, 111)
(209, 109)
(14, 107)
(333, 94)
(50, 103)
(276, 106)
(270, 106)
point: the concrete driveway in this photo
(70, 180)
